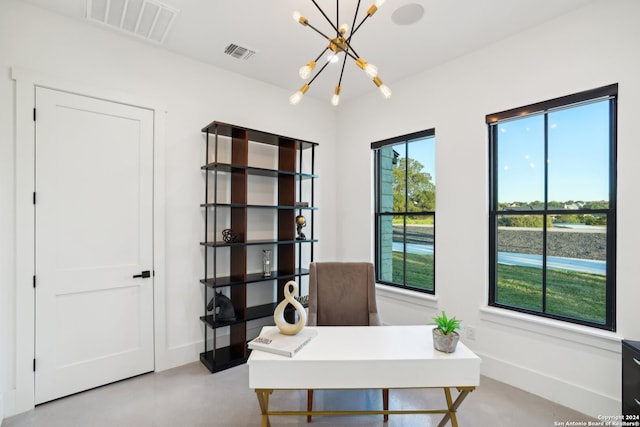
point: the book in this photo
(271, 340)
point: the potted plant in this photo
(445, 337)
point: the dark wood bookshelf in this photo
(288, 179)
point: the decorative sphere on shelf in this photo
(301, 222)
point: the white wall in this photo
(194, 94)
(590, 47)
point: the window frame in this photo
(378, 214)
(609, 93)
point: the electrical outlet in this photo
(470, 333)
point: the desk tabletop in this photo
(366, 357)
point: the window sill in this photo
(407, 296)
(592, 337)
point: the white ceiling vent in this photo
(239, 52)
(148, 19)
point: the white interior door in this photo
(94, 222)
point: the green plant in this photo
(447, 326)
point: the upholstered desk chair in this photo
(342, 294)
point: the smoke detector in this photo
(146, 19)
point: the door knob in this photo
(145, 274)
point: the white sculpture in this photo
(278, 315)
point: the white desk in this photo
(367, 358)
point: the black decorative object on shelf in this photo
(229, 236)
(223, 306)
(301, 222)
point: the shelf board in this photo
(253, 313)
(226, 129)
(226, 358)
(239, 205)
(230, 167)
(251, 278)
(257, 242)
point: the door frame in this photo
(26, 82)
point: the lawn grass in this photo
(571, 294)
(419, 270)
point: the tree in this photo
(419, 188)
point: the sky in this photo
(578, 156)
(423, 150)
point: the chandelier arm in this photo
(344, 62)
(321, 53)
(318, 73)
(353, 24)
(326, 17)
(355, 58)
(350, 48)
(318, 31)
(358, 27)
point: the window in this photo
(552, 208)
(405, 210)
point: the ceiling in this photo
(202, 29)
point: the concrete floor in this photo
(189, 396)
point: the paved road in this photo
(527, 260)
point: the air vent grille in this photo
(147, 19)
(239, 52)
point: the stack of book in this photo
(271, 340)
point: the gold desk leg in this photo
(263, 400)
(453, 406)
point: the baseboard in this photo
(186, 353)
(7, 404)
(572, 396)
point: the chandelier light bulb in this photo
(384, 89)
(374, 7)
(333, 57)
(370, 69)
(335, 99)
(297, 97)
(305, 70)
(386, 92)
(344, 28)
(297, 16)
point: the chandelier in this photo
(339, 48)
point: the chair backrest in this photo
(342, 294)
